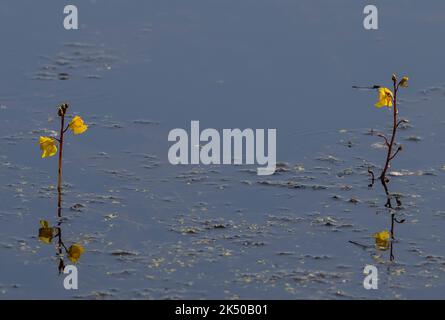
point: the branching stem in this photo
(390, 156)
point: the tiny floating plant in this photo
(50, 146)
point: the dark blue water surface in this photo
(137, 69)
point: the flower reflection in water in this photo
(46, 235)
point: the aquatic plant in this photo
(48, 145)
(388, 98)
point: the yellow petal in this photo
(44, 224)
(382, 239)
(404, 82)
(46, 235)
(382, 235)
(385, 98)
(47, 146)
(77, 125)
(74, 252)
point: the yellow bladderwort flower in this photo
(74, 252)
(385, 98)
(48, 146)
(404, 82)
(77, 125)
(46, 233)
(382, 240)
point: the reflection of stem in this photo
(391, 252)
(372, 177)
(392, 225)
(393, 221)
(60, 245)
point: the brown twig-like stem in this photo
(59, 180)
(389, 155)
(395, 153)
(61, 113)
(400, 122)
(381, 135)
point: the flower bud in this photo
(404, 82)
(394, 78)
(62, 109)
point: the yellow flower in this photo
(382, 240)
(46, 233)
(48, 146)
(385, 98)
(404, 82)
(75, 251)
(77, 125)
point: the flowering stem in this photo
(59, 181)
(390, 145)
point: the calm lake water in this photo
(138, 69)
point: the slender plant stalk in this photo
(62, 112)
(384, 180)
(390, 156)
(59, 181)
